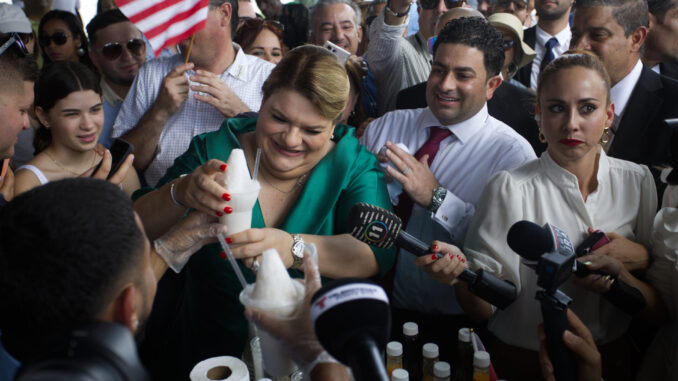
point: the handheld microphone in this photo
(379, 227)
(352, 321)
(530, 241)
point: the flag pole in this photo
(190, 45)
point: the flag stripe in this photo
(176, 30)
(154, 25)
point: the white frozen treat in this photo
(279, 295)
(243, 190)
(394, 187)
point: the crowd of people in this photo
(475, 117)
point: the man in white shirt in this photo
(465, 73)
(171, 102)
(549, 38)
(661, 47)
(615, 30)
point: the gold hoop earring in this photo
(606, 136)
(541, 136)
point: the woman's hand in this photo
(580, 341)
(105, 167)
(598, 283)
(445, 269)
(633, 255)
(249, 244)
(202, 190)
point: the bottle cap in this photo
(464, 335)
(400, 375)
(394, 349)
(481, 359)
(410, 329)
(441, 369)
(430, 350)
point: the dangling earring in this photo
(606, 136)
(81, 51)
(541, 136)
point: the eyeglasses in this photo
(508, 44)
(431, 4)
(113, 50)
(252, 23)
(59, 38)
(14, 39)
(519, 5)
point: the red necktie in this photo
(430, 148)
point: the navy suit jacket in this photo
(524, 74)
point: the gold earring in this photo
(606, 136)
(541, 136)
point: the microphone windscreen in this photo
(348, 310)
(373, 225)
(529, 240)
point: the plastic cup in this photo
(241, 217)
(277, 363)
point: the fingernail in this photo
(222, 255)
(219, 214)
(228, 210)
(450, 255)
(463, 260)
(223, 167)
(588, 263)
(435, 248)
(226, 197)
(229, 240)
(434, 257)
(458, 257)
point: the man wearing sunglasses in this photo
(518, 8)
(399, 62)
(117, 51)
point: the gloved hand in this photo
(186, 237)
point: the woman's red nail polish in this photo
(228, 210)
(226, 197)
(458, 257)
(222, 255)
(223, 167)
(219, 214)
(463, 260)
(435, 248)
(229, 240)
(450, 255)
(434, 257)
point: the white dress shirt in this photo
(477, 148)
(563, 37)
(541, 191)
(244, 76)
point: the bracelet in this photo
(322, 357)
(174, 199)
(396, 14)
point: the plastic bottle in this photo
(400, 375)
(441, 371)
(394, 356)
(412, 350)
(481, 366)
(430, 356)
(464, 364)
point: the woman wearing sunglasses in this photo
(62, 38)
(68, 104)
(261, 38)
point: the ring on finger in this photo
(406, 171)
(255, 266)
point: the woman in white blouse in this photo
(575, 186)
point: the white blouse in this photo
(541, 191)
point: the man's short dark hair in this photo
(15, 67)
(65, 248)
(659, 7)
(630, 14)
(234, 12)
(102, 20)
(476, 33)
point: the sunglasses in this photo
(508, 44)
(113, 50)
(14, 39)
(255, 23)
(519, 5)
(59, 38)
(431, 4)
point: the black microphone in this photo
(379, 227)
(530, 241)
(352, 321)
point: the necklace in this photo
(299, 182)
(66, 169)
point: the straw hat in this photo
(13, 19)
(524, 54)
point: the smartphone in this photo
(342, 55)
(120, 149)
(593, 242)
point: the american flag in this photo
(165, 22)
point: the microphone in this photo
(530, 241)
(352, 321)
(380, 228)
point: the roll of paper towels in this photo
(224, 368)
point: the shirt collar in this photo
(563, 36)
(463, 131)
(111, 96)
(563, 177)
(621, 92)
(239, 69)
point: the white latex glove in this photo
(186, 237)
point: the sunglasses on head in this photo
(59, 38)
(14, 39)
(508, 44)
(113, 50)
(431, 4)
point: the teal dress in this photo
(209, 321)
